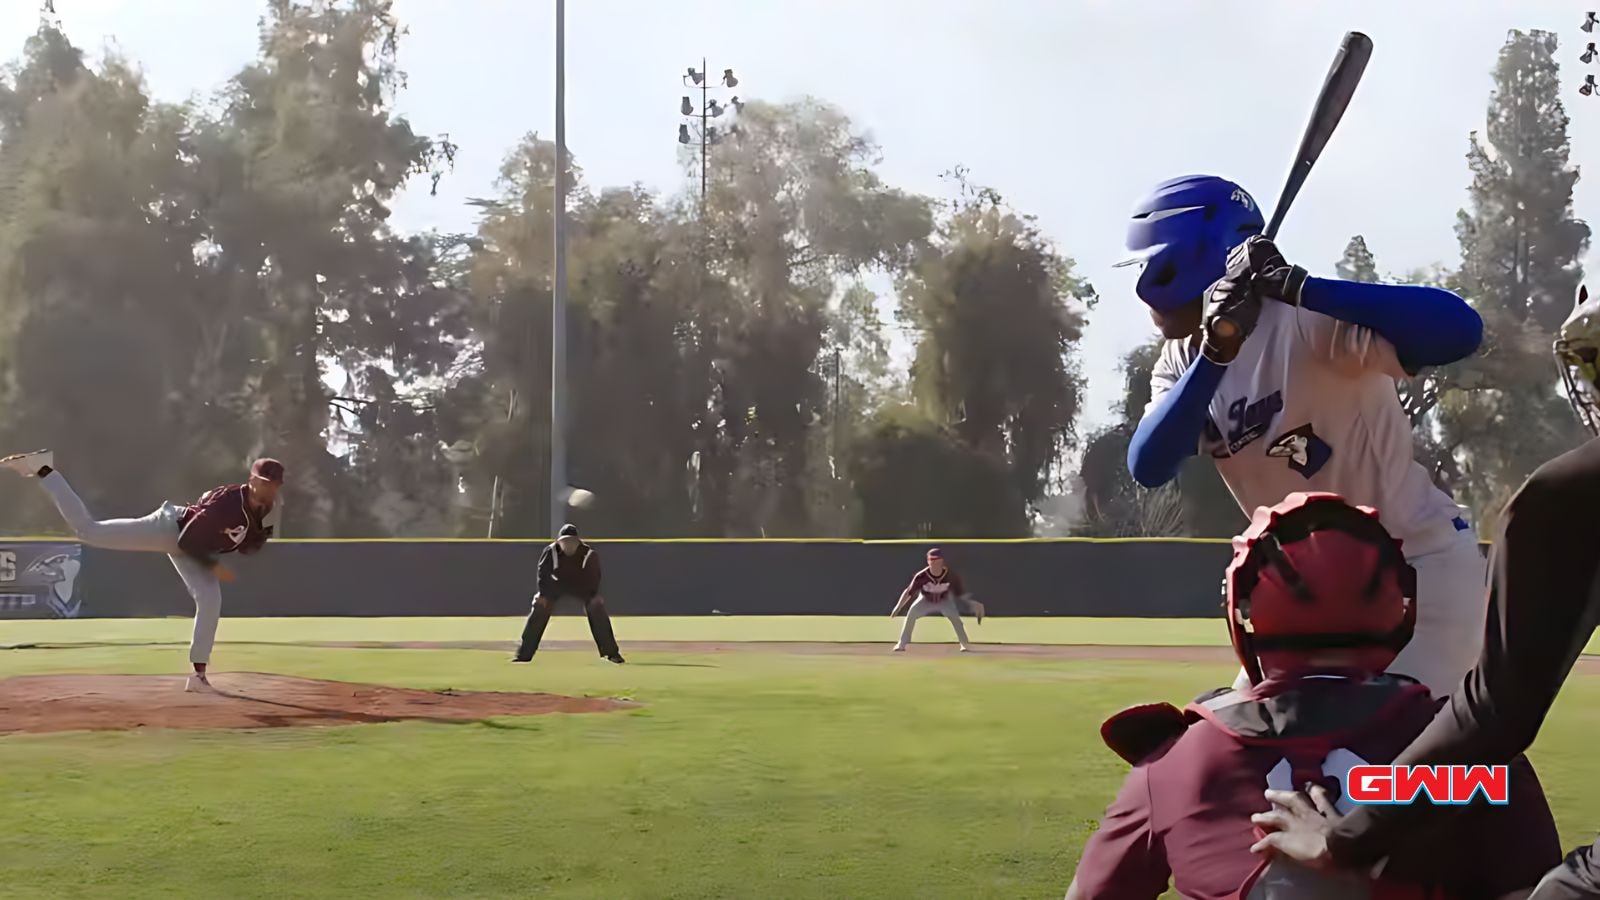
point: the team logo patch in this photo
(1305, 452)
(1247, 421)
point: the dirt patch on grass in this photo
(43, 703)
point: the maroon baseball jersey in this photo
(935, 588)
(1184, 813)
(221, 521)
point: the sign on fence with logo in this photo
(39, 580)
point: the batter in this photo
(1302, 396)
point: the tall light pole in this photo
(704, 132)
(558, 292)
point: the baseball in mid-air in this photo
(580, 498)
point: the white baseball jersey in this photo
(1310, 405)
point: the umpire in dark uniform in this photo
(569, 568)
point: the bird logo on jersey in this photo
(1306, 452)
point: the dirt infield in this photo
(842, 648)
(1155, 653)
(44, 703)
(49, 703)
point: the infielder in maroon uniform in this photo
(1320, 600)
(936, 590)
(226, 519)
(1544, 604)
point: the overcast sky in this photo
(1071, 109)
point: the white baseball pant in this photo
(925, 607)
(1452, 612)
(154, 533)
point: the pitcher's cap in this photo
(268, 469)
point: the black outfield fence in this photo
(1142, 578)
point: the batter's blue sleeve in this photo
(1170, 433)
(1428, 326)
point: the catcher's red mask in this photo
(1316, 573)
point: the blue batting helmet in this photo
(1182, 232)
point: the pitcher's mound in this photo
(38, 703)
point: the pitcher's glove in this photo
(255, 541)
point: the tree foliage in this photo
(1195, 504)
(998, 313)
(186, 285)
(1500, 414)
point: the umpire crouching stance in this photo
(569, 568)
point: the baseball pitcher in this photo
(1299, 394)
(1319, 603)
(225, 519)
(1544, 604)
(568, 568)
(936, 590)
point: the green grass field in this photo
(743, 774)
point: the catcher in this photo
(1320, 599)
(935, 589)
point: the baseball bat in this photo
(1348, 66)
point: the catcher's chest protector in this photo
(1318, 729)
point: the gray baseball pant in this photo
(154, 533)
(925, 607)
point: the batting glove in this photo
(1274, 278)
(1232, 310)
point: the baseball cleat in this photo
(29, 464)
(198, 684)
(520, 658)
(616, 658)
(898, 648)
(966, 649)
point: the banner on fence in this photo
(39, 580)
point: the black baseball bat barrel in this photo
(1349, 64)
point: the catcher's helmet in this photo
(1577, 350)
(1316, 573)
(1182, 233)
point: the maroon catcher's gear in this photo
(1182, 819)
(1316, 573)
